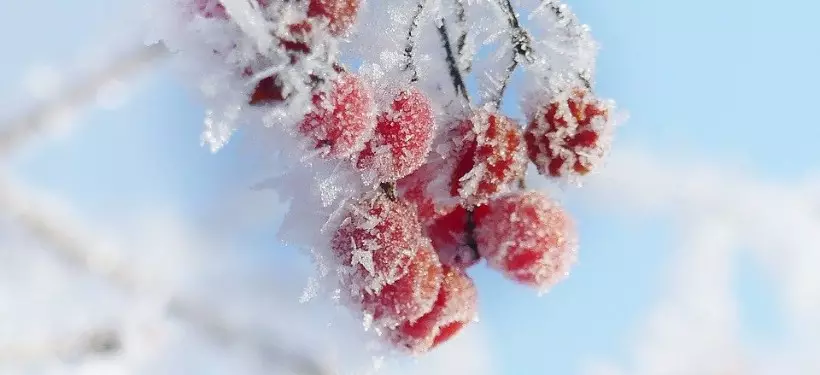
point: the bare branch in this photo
(15, 132)
(455, 72)
(411, 40)
(77, 248)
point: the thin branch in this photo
(15, 132)
(455, 72)
(76, 247)
(522, 48)
(411, 41)
(571, 23)
(461, 43)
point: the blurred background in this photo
(128, 248)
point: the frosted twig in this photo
(411, 41)
(76, 247)
(455, 72)
(520, 40)
(570, 23)
(17, 131)
(94, 342)
(461, 43)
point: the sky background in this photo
(697, 239)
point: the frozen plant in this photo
(399, 176)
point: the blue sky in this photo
(724, 83)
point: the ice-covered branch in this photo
(80, 248)
(522, 49)
(411, 41)
(15, 132)
(452, 64)
(461, 43)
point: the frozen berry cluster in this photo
(404, 247)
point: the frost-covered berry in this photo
(427, 189)
(340, 14)
(390, 266)
(570, 135)
(453, 238)
(342, 120)
(455, 307)
(402, 140)
(490, 154)
(529, 238)
(411, 295)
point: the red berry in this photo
(267, 90)
(409, 297)
(404, 134)
(570, 135)
(427, 188)
(453, 238)
(490, 156)
(529, 238)
(342, 120)
(340, 14)
(454, 308)
(392, 270)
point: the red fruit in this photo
(267, 90)
(570, 135)
(340, 14)
(427, 188)
(453, 238)
(404, 134)
(454, 308)
(341, 121)
(391, 267)
(490, 156)
(409, 297)
(529, 238)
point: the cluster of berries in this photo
(404, 248)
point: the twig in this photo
(14, 133)
(571, 23)
(461, 43)
(76, 248)
(455, 72)
(410, 64)
(522, 48)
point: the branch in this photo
(411, 41)
(455, 72)
(15, 132)
(76, 247)
(461, 43)
(520, 40)
(561, 14)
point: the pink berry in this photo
(340, 14)
(392, 267)
(453, 238)
(454, 308)
(490, 156)
(341, 120)
(529, 238)
(569, 136)
(403, 137)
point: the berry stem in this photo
(520, 39)
(461, 44)
(455, 72)
(470, 240)
(571, 23)
(410, 64)
(389, 189)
